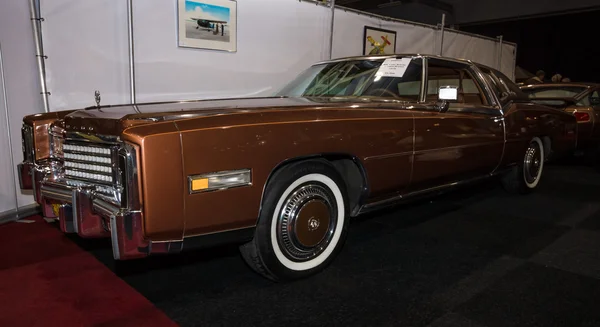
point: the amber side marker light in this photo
(219, 180)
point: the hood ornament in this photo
(97, 98)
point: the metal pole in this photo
(35, 21)
(12, 159)
(332, 3)
(131, 52)
(500, 53)
(442, 39)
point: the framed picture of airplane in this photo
(378, 41)
(208, 24)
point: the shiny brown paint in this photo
(375, 137)
(162, 182)
(182, 139)
(449, 147)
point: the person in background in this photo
(537, 79)
(556, 78)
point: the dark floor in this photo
(475, 257)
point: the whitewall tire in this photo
(526, 175)
(303, 223)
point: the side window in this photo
(494, 83)
(445, 73)
(593, 99)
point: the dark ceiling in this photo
(465, 12)
(379, 4)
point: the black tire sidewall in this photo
(279, 182)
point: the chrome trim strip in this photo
(389, 201)
(391, 155)
(104, 208)
(98, 139)
(458, 147)
(61, 193)
(114, 237)
(75, 213)
(414, 152)
(424, 79)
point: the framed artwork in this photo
(377, 41)
(207, 24)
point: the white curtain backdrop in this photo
(86, 42)
(87, 47)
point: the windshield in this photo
(555, 92)
(357, 78)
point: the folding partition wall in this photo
(88, 49)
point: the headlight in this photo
(56, 142)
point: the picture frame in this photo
(207, 24)
(377, 41)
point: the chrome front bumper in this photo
(80, 210)
(90, 215)
(25, 170)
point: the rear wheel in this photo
(302, 225)
(526, 176)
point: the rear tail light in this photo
(582, 116)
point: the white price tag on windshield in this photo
(393, 67)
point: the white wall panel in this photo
(22, 89)
(7, 190)
(509, 55)
(348, 33)
(468, 47)
(274, 45)
(87, 47)
(412, 38)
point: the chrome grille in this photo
(90, 162)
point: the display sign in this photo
(393, 67)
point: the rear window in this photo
(557, 92)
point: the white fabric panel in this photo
(412, 38)
(272, 49)
(23, 94)
(508, 60)
(7, 190)
(481, 50)
(463, 46)
(87, 47)
(348, 33)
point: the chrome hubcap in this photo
(307, 222)
(532, 163)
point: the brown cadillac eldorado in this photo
(283, 175)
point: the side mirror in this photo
(445, 95)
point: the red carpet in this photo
(46, 280)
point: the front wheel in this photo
(525, 177)
(302, 225)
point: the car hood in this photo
(164, 110)
(114, 119)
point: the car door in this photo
(464, 142)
